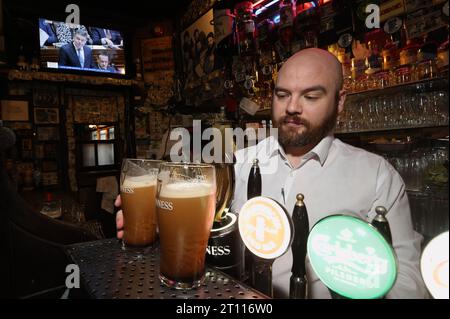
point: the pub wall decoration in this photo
(46, 96)
(195, 9)
(159, 69)
(46, 115)
(14, 110)
(88, 99)
(95, 109)
(201, 65)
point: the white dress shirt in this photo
(335, 178)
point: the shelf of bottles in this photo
(395, 75)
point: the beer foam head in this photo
(139, 181)
(187, 189)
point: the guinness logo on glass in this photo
(164, 205)
(127, 190)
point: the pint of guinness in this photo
(137, 190)
(185, 201)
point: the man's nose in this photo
(294, 106)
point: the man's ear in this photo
(341, 101)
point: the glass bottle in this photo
(373, 61)
(245, 28)
(390, 54)
(285, 29)
(442, 56)
(224, 25)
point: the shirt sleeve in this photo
(391, 193)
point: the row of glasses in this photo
(429, 212)
(401, 110)
(176, 201)
(425, 173)
(422, 169)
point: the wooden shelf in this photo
(380, 130)
(66, 77)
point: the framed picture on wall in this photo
(46, 95)
(14, 110)
(47, 133)
(198, 47)
(43, 115)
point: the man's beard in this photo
(290, 137)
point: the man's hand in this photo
(119, 218)
(108, 43)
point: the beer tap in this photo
(381, 223)
(262, 275)
(254, 181)
(253, 190)
(298, 282)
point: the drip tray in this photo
(109, 272)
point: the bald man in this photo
(333, 176)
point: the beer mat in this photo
(108, 272)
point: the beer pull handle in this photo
(254, 181)
(298, 282)
(381, 223)
(253, 190)
(262, 275)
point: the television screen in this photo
(66, 46)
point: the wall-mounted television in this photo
(80, 48)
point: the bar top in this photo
(109, 272)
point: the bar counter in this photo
(109, 272)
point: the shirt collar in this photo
(81, 49)
(320, 151)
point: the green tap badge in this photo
(351, 257)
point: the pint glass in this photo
(138, 190)
(186, 202)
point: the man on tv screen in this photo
(46, 32)
(76, 54)
(103, 63)
(106, 37)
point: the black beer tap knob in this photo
(298, 282)
(253, 190)
(254, 181)
(381, 223)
